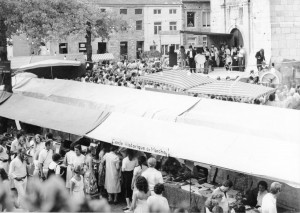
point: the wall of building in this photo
(21, 46)
(198, 8)
(166, 37)
(285, 19)
(251, 19)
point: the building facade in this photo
(196, 17)
(162, 26)
(272, 25)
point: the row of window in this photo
(191, 19)
(158, 27)
(140, 11)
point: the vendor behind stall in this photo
(226, 186)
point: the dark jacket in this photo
(188, 54)
(259, 57)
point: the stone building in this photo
(196, 17)
(163, 21)
(273, 25)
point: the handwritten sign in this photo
(141, 147)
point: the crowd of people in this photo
(35, 177)
(201, 59)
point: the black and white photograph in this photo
(150, 106)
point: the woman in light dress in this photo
(77, 185)
(68, 161)
(142, 166)
(90, 182)
(112, 174)
(36, 145)
(139, 198)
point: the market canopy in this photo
(49, 114)
(49, 63)
(4, 96)
(262, 121)
(232, 89)
(178, 79)
(106, 98)
(102, 57)
(263, 157)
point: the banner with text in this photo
(141, 147)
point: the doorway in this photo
(237, 38)
(139, 49)
(123, 50)
(102, 47)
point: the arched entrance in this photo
(237, 38)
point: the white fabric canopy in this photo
(264, 157)
(107, 98)
(262, 121)
(49, 63)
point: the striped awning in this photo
(178, 79)
(102, 57)
(233, 89)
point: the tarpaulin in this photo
(49, 114)
(263, 157)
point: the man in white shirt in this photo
(269, 200)
(152, 175)
(241, 58)
(45, 158)
(18, 172)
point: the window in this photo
(103, 10)
(153, 47)
(123, 11)
(190, 19)
(191, 41)
(165, 49)
(204, 39)
(241, 14)
(206, 19)
(172, 11)
(82, 47)
(173, 26)
(157, 27)
(139, 25)
(157, 11)
(138, 11)
(63, 48)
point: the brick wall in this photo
(285, 19)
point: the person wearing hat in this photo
(152, 175)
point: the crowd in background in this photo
(200, 59)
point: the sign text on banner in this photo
(141, 147)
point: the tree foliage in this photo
(46, 20)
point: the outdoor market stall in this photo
(53, 68)
(177, 79)
(106, 98)
(205, 145)
(263, 121)
(233, 89)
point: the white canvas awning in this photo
(263, 157)
(49, 63)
